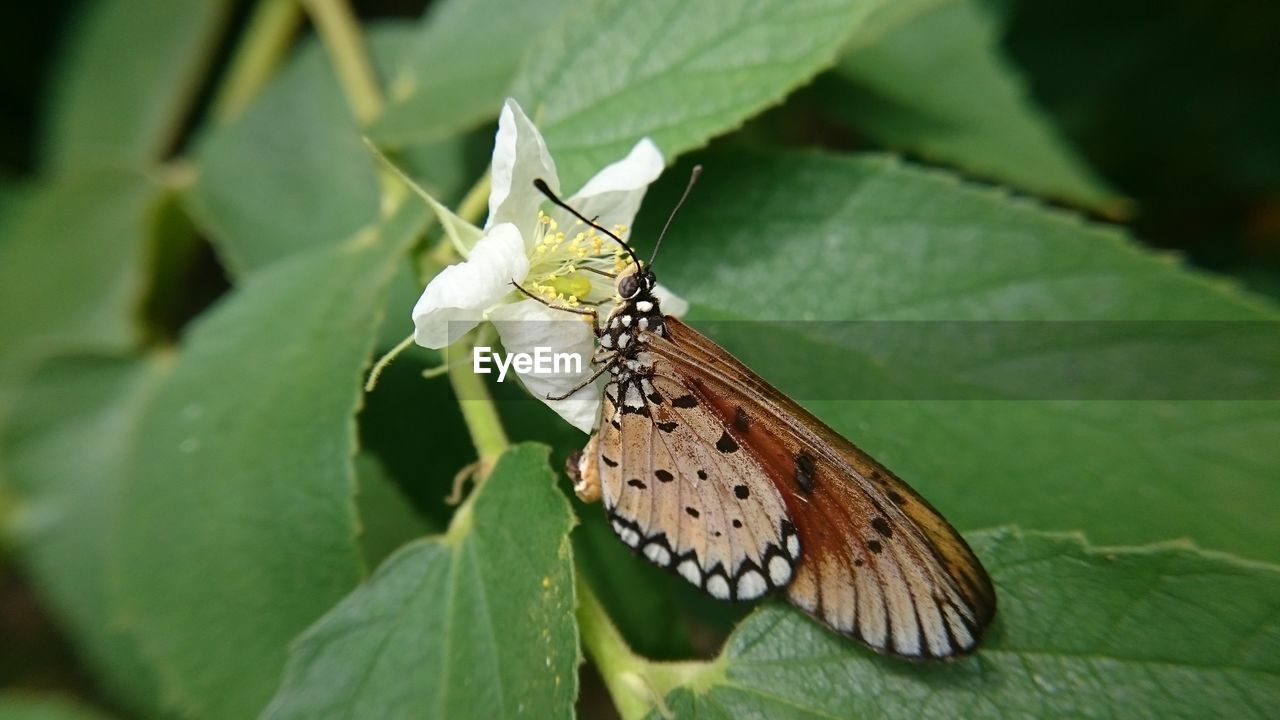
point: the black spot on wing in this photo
(737, 523)
(642, 411)
(726, 444)
(693, 512)
(655, 398)
(608, 461)
(637, 483)
(874, 546)
(742, 492)
(805, 469)
(663, 475)
(685, 401)
(881, 526)
(702, 474)
(667, 427)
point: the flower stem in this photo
(637, 685)
(384, 361)
(610, 653)
(340, 33)
(262, 47)
(478, 410)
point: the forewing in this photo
(684, 502)
(880, 564)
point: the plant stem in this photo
(618, 665)
(478, 410)
(636, 684)
(340, 33)
(384, 361)
(262, 47)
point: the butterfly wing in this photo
(879, 563)
(711, 516)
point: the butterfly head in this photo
(629, 324)
(635, 283)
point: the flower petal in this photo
(455, 300)
(519, 156)
(670, 303)
(615, 193)
(529, 325)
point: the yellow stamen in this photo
(571, 287)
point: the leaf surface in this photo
(238, 522)
(476, 623)
(1162, 632)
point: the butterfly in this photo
(709, 471)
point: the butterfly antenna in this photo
(545, 190)
(693, 178)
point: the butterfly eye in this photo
(629, 286)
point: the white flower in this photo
(551, 254)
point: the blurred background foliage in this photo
(1174, 106)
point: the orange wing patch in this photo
(880, 564)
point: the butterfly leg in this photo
(602, 369)
(588, 312)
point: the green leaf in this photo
(238, 522)
(73, 262)
(290, 174)
(387, 519)
(980, 434)
(939, 85)
(64, 451)
(678, 72)
(476, 623)
(1163, 631)
(132, 70)
(459, 66)
(293, 172)
(20, 705)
